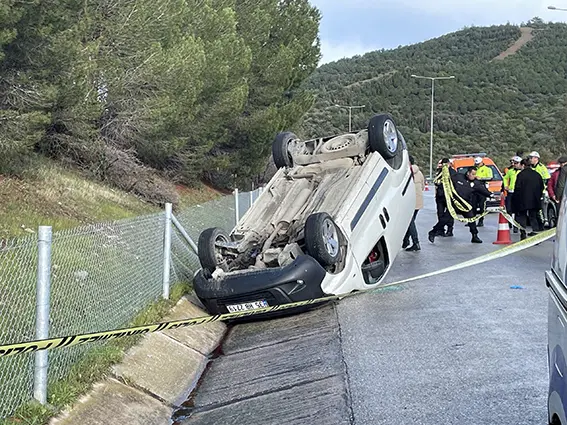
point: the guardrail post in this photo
(236, 207)
(43, 290)
(167, 251)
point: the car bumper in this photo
(494, 204)
(298, 281)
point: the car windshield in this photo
(496, 176)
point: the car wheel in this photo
(551, 217)
(280, 151)
(209, 253)
(322, 239)
(383, 136)
(338, 143)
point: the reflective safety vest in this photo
(542, 170)
(510, 179)
(484, 173)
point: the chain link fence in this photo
(18, 260)
(102, 276)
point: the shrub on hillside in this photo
(126, 172)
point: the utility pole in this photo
(350, 108)
(431, 122)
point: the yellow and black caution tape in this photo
(502, 252)
(69, 341)
(452, 197)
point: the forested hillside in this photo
(493, 106)
(143, 94)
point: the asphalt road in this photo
(466, 347)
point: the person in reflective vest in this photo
(484, 174)
(541, 169)
(538, 166)
(509, 183)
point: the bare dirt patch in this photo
(527, 35)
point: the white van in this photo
(556, 280)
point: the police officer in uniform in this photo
(509, 183)
(484, 174)
(443, 216)
(466, 186)
(534, 161)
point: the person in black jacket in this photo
(466, 186)
(527, 199)
(443, 216)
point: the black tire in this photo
(389, 144)
(322, 239)
(280, 153)
(551, 216)
(208, 253)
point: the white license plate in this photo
(252, 305)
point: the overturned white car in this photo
(330, 221)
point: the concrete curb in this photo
(154, 378)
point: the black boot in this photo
(522, 235)
(475, 239)
(431, 236)
(414, 247)
(449, 232)
(480, 222)
(405, 243)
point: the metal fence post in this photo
(251, 196)
(236, 206)
(43, 290)
(167, 251)
(185, 235)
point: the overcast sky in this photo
(351, 27)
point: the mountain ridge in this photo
(495, 106)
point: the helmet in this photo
(477, 160)
(534, 154)
(516, 159)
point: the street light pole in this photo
(556, 8)
(350, 108)
(431, 120)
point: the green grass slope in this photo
(52, 195)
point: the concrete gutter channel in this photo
(287, 370)
(280, 371)
(155, 377)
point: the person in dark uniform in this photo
(443, 215)
(466, 186)
(526, 202)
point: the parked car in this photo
(556, 280)
(330, 221)
(461, 162)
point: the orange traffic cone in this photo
(426, 187)
(503, 235)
